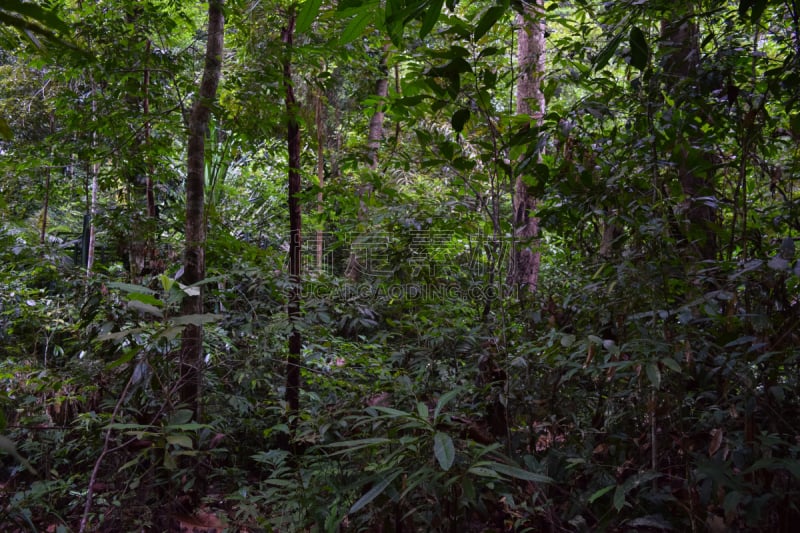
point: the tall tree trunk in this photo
(679, 39)
(530, 101)
(295, 227)
(191, 355)
(149, 195)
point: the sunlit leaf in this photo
(307, 15)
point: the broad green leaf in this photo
(183, 441)
(640, 52)
(355, 28)
(422, 410)
(137, 305)
(169, 460)
(434, 10)
(374, 492)
(489, 18)
(307, 15)
(654, 374)
(145, 298)
(619, 498)
(460, 118)
(672, 364)
(604, 56)
(180, 416)
(444, 450)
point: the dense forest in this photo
(399, 265)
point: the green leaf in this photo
(654, 374)
(444, 399)
(169, 461)
(604, 56)
(183, 441)
(5, 130)
(145, 308)
(444, 450)
(358, 443)
(489, 18)
(672, 364)
(483, 472)
(145, 298)
(180, 416)
(515, 472)
(434, 10)
(460, 118)
(392, 413)
(640, 52)
(619, 498)
(600, 493)
(307, 15)
(355, 28)
(36, 12)
(422, 410)
(196, 320)
(130, 287)
(374, 492)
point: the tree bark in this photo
(191, 354)
(679, 39)
(374, 138)
(524, 273)
(295, 227)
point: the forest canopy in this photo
(399, 265)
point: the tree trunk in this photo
(295, 227)
(319, 120)
(524, 273)
(191, 355)
(374, 138)
(679, 39)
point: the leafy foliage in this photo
(650, 384)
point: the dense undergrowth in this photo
(612, 403)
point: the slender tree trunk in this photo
(374, 139)
(149, 195)
(191, 354)
(319, 119)
(530, 101)
(46, 208)
(95, 171)
(295, 227)
(376, 121)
